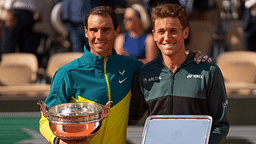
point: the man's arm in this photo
(57, 95)
(45, 130)
(217, 106)
(138, 105)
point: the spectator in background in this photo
(137, 42)
(2, 18)
(249, 24)
(17, 27)
(73, 14)
(2, 13)
(153, 3)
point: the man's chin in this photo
(168, 53)
(99, 47)
(102, 52)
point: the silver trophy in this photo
(74, 121)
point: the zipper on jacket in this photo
(106, 77)
(109, 96)
(172, 87)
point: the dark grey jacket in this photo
(191, 90)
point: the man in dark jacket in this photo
(173, 84)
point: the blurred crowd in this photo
(45, 27)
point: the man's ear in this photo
(85, 31)
(117, 31)
(153, 32)
(186, 32)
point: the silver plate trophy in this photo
(73, 121)
(177, 129)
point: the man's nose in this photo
(99, 34)
(167, 35)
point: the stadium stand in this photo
(18, 75)
(59, 59)
(239, 71)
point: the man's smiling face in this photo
(101, 34)
(169, 35)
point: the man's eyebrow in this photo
(172, 28)
(107, 28)
(92, 28)
(160, 29)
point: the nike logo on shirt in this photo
(121, 81)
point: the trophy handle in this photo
(43, 108)
(106, 109)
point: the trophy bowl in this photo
(74, 121)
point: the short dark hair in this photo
(103, 11)
(170, 10)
